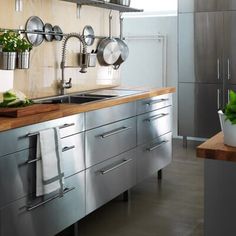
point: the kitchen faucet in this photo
(68, 84)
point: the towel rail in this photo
(66, 190)
(60, 127)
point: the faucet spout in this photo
(66, 85)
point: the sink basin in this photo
(78, 99)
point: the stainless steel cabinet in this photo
(205, 5)
(206, 57)
(198, 106)
(154, 156)
(208, 47)
(45, 216)
(109, 115)
(17, 174)
(110, 140)
(154, 124)
(109, 179)
(18, 139)
(229, 46)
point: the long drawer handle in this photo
(156, 117)
(60, 127)
(156, 101)
(157, 146)
(103, 172)
(68, 148)
(66, 190)
(113, 132)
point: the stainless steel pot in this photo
(122, 2)
(123, 47)
(108, 50)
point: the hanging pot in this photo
(23, 60)
(8, 60)
(108, 50)
(123, 47)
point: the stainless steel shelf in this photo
(106, 5)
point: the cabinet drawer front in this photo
(18, 178)
(154, 124)
(22, 138)
(47, 219)
(109, 179)
(154, 156)
(154, 103)
(110, 114)
(109, 141)
(73, 154)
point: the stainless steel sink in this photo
(92, 96)
(78, 99)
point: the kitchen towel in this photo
(49, 171)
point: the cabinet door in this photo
(206, 5)
(228, 87)
(209, 47)
(198, 106)
(227, 5)
(229, 45)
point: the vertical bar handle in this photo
(218, 99)
(228, 69)
(228, 95)
(218, 68)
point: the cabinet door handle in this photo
(33, 161)
(150, 149)
(156, 101)
(228, 96)
(218, 69)
(60, 127)
(103, 172)
(218, 99)
(228, 69)
(156, 117)
(68, 148)
(66, 190)
(113, 132)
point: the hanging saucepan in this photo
(108, 50)
(123, 47)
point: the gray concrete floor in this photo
(172, 207)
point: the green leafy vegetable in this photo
(14, 98)
(230, 109)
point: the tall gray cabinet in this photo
(207, 63)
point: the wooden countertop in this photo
(72, 109)
(215, 149)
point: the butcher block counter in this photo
(215, 149)
(71, 109)
(219, 186)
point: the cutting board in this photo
(29, 110)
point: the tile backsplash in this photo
(44, 73)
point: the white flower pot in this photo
(228, 129)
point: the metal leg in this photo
(126, 196)
(159, 174)
(185, 141)
(76, 229)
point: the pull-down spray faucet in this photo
(68, 84)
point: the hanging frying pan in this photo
(123, 47)
(108, 50)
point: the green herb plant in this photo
(11, 41)
(230, 109)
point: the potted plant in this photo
(228, 120)
(23, 53)
(8, 50)
(11, 46)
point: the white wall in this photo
(166, 25)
